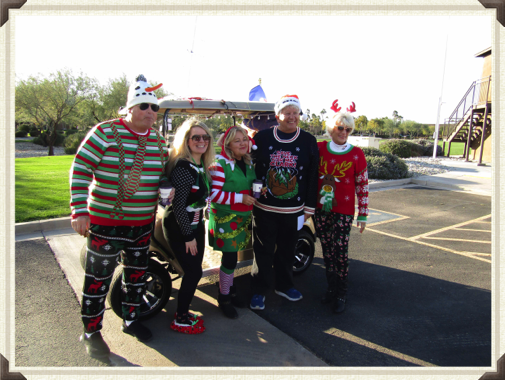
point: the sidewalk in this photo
(250, 340)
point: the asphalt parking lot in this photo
(419, 296)
(419, 286)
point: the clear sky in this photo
(382, 63)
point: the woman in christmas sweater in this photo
(230, 216)
(183, 225)
(342, 173)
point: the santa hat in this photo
(140, 92)
(286, 101)
(222, 138)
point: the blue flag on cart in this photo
(257, 94)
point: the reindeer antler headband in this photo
(336, 108)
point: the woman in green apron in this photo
(231, 205)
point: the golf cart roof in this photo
(207, 107)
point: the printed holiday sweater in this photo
(190, 198)
(94, 176)
(341, 175)
(287, 165)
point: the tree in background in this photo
(106, 102)
(376, 126)
(323, 113)
(315, 125)
(53, 101)
(219, 124)
(397, 120)
(361, 124)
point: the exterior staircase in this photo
(470, 122)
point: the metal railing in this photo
(478, 93)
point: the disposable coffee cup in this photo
(165, 191)
(256, 187)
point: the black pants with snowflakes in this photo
(333, 230)
(105, 245)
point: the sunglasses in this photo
(197, 138)
(144, 106)
(348, 130)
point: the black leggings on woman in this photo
(192, 266)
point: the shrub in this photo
(69, 132)
(384, 165)
(427, 146)
(402, 148)
(42, 139)
(24, 128)
(34, 132)
(73, 141)
(20, 134)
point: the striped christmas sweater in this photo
(94, 175)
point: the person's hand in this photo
(361, 226)
(171, 196)
(248, 200)
(81, 225)
(307, 216)
(191, 247)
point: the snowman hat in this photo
(140, 92)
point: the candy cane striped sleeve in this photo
(217, 195)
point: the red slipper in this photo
(193, 327)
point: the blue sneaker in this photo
(257, 302)
(292, 294)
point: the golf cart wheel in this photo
(158, 289)
(304, 252)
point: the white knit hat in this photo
(286, 101)
(140, 92)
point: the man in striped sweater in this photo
(114, 183)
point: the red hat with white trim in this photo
(286, 101)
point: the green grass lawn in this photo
(42, 188)
(457, 148)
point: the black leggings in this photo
(192, 266)
(229, 260)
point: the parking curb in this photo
(43, 225)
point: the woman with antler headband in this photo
(342, 173)
(231, 206)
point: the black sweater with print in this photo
(287, 163)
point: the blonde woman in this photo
(232, 203)
(183, 225)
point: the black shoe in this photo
(138, 330)
(236, 300)
(95, 345)
(329, 296)
(226, 306)
(339, 305)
